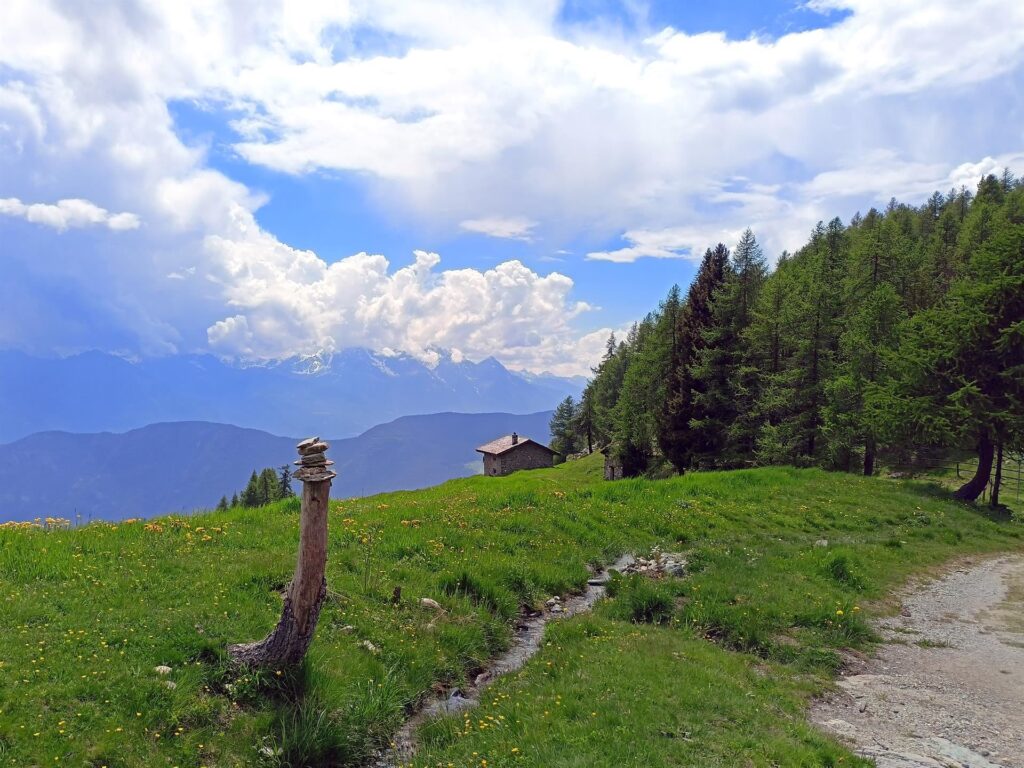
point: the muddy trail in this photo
(526, 642)
(946, 690)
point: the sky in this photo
(479, 178)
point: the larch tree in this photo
(679, 440)
(724, 385)
(563, 427)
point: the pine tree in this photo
(633, 429)
(585, 419)
(563, 428)
(251, 494)
(234, 500)
(866, 346)
(268, 489)
(677, 438)
(724, 385)
(222, 505)
(603, 390)
(899, 333)
(961, 364)
(284, 482)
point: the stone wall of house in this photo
(526, 456)
(612, 467)
(492, 464)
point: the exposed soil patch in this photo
(947, 688)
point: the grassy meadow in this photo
(713, 669)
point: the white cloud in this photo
(291, 302)
(72, 212)
(635, 136)
(670, 243)
(508, 227)
(672, 140)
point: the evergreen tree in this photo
(633, 429)
(284, 482)
(585, 419)
(901, 332)
(961, 364)
(267, 486)
(676, 436)
(866, 346)
(234, 500)
(724, 385)
(222, 504)
(605, 387)
(251, 494)
(794, 396)
(563, 428)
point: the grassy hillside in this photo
(88, 614)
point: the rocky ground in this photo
(947, 688)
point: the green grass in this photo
(88, 613)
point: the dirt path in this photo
(947, 688)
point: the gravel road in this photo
(947, 688)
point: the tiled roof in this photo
(503, 444)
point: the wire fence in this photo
(1011, 477)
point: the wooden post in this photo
(290, 640)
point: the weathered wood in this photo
(287, 644)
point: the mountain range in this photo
(342, 394)
(182, 466)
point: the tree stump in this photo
(288, 643)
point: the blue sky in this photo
(521, 178)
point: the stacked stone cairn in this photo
(314, 466)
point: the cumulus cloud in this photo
(72, 212)
(508, 227)
(454, 113)
(291, 302)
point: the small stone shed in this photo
(612, 465)
(511, 453)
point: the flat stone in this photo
(317, 447)
(302, 446)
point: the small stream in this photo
(529, 634)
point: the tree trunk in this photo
(869, 457)
(998, 481)
(287, 644)
(973, 488)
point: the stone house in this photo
(511, 453)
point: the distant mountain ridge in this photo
(182, 466)
(343, 393)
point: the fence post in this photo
(290, 640)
